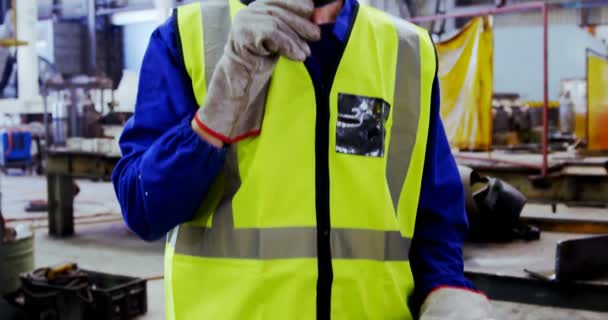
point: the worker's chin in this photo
(327, 12)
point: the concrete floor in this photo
(109, 246)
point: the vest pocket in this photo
(360, 128)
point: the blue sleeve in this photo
(441, 226)
(165, 169)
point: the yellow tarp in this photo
(597, 93)
(466, 75)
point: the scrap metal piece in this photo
(582, 259)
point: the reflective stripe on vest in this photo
(405, 156)
(205, 40)
(222, 240)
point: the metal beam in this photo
(478, 13)
(545, 147)
(568, 225)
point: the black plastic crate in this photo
(8, 311)
(101, 297)
(117, 297)
(45, 301)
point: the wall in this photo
(518, 57)
(136, 38)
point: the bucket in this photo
(15, 257)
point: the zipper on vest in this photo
(322, 196)
(325, 270)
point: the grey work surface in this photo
(498, 269)
(532, 159)
(511, 258)
(110, 247)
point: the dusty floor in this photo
(104, 243)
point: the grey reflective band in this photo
(216, 27)
(223, 240)
(406, 109)
(369, 245)
(288, 243)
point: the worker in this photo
(314, 181)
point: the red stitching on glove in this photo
(222, 137)
(246, 135)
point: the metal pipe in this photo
(510, 9)
(163, 8)
(47, 128)
(492, 11)
(503, 161)
(545, 13)
(41, 218)
(27, 56)
(92, 37)
(74, 115)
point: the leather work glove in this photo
(456, 304)
(234, 105)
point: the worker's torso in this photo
(314, 217)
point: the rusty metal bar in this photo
(545, 13)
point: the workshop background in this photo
(524, 89)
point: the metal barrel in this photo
(15, 257)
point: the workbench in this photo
(498, 270)
(571, 179)
(63, 165)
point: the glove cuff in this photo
(473, 291)
(455, 303)
(222, 137)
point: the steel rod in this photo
(503, 161)
(545, 13)
(492, 11)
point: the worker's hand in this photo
(456, 304)
(234, 105)
(270, 27)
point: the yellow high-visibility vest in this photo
(314, 217)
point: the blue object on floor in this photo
(16, 146)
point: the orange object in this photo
(56, 271)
